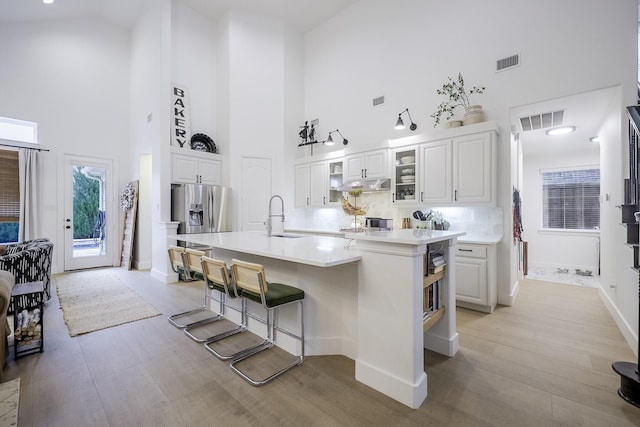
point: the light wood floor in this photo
(544, 362)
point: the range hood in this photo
(368, 185)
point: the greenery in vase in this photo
(457, 97)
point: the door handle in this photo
(422, 196)
(465, 250)
(324, 200)
(393, 197)
(365, 172)
(455, 196)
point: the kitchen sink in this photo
(287, 236)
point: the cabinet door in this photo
(335, 181)
(472, 169)
(375, 164)
(302, 185)
(354, 167)
(318, 184)
(436, 177)
(184, 169)
(405, 175)
(209, 171)
(471, 280)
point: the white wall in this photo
(72, 78)
(404, 50)
(552, 250)
(261, 78)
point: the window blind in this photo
(571, 199)
(9, 187)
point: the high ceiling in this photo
(303, 15)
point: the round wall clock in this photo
(202, 142)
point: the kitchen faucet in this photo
(272, 215)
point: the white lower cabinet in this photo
(476, 283)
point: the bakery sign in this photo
(180, 118)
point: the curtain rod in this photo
(18, 146)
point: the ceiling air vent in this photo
(542, 121)
(504, 63)
(379, 100)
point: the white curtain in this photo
(29, 195)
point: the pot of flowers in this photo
(458, 97)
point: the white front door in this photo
(89, 213)
(256, 192)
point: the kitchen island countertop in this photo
(319, 251)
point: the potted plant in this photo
(458, 97)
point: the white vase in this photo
(473, 114)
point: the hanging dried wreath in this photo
(127, 197)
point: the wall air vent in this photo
(542, 121)
(378, 101)
(504, 63)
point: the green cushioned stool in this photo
(186, 262)
(251, 280)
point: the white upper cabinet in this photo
(195, 168)
(436, 176)
(303, 185)
(472, 179)
(406, 175)
(459, 171)
(372, 164)
(312, 184)
(318, 184)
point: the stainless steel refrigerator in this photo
(201, 208)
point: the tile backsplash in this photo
(475, 221)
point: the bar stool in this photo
(188, 269)
(217, 279)
(251, 280)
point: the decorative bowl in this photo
(408, 178)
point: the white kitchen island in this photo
(363, 298)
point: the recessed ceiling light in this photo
(594, 139)
(561, 130)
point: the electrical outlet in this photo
(613, 285)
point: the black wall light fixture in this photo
(329, 140)
(400, 124)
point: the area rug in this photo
(9, 399)
(96, 300)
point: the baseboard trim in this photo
(625, 328)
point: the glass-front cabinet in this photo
(405, 174)
(335, 180)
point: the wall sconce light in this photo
(400, 123)
(329, 140)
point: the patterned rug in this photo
(95, 300)
(9, 398)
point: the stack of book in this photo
(431, 300)
(437, 264)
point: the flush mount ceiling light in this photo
(561, 130)
(400, 124)
(329, 140)
(47, 1)
(594, 139)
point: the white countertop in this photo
(406, 236)
(319, 251)
(480, 239)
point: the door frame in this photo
(112, 218)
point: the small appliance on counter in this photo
(378, 224)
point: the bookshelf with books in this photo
(435, 269)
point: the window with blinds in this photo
(571, 199)
(9, 196)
